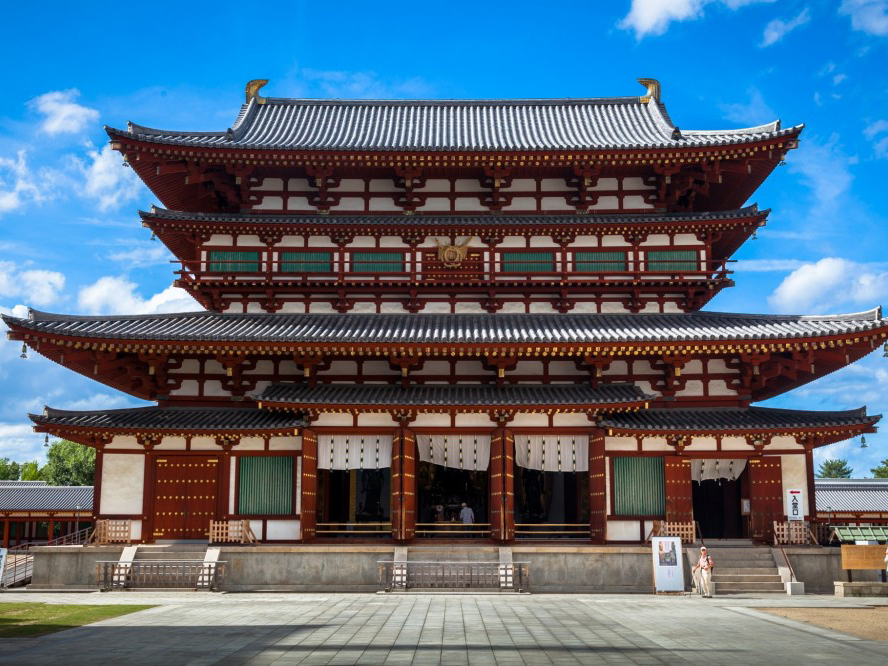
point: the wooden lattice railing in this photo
(112, 531)
(231, 531)
(685, 530)
(793, 533)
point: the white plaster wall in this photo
(379, 419)
(612, 443)
(794, 472)
(570, 420)
(126, 442)
(123, 483)
(205, 443)
(289, 443)
(720, 387)
(232, 476)
(169, 443)
(656, 444)
(283, 530)
(693, 387)
(704, 444)
(136, 530)
(622, 530)
(529, 421)
(431, 421)
(786, 442)
(333, 420)
(251, 444)
(735, 444)
(299, 485)
(474, 420)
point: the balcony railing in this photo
(354, 529)
(514, 576)
(545, 531)
(452, 530)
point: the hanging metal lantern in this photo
(25, 351)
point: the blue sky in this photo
(71, 240)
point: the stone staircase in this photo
(743, 569)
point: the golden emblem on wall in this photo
(452, 255)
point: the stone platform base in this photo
(354, 568)
(861, 589)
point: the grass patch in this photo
(27, 620)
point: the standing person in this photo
(705, 566)
(466, 515)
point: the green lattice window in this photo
(265, 486)
(600, 262)
(672, 260)
(223, 261)
(306, 262)
(377, 262)
(528, 262)
(639, 487)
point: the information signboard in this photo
(668, 564)
(794, 509)
(3, 552)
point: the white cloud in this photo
(824, 168)
(777, 29)
(106, 179)
(97, 401)
(18, 184)
(828, 283)
(754, 112)
(117, 295)
(767, 265)
(869, 16)
(362, 85)
(838, 78)
(20, 442)
(62, 115)
(147, 254)
(652, 17)
(880, 147)
(38, 287)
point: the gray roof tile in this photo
(454, 125)
(452, 395)
(449, 328)
(170, 418)
(851, 495)
(720, 419)
(31, 496)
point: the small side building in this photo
(852, 501)
(34, 512)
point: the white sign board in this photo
(668, 564)
(794, 509)
(3, 552)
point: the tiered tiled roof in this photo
(860, 495)
(530, 397)
(37, 496)
(450, 328)
(454, 125)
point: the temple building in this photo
(411, 305)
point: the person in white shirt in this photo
(705, 566)
(466, 515)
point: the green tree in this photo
(9, 470)
(881, 472)
(834, 469)
(69, 464)
(31, 471)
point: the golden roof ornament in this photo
(252, 90)
(653, 90)
(454, 254)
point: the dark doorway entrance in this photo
(551, 504)
(347, 497)
(440, 494)
(717, 507)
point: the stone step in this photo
(743, 571)
(772, 578)
(735, 588)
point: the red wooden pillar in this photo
(495, 483)
(397, 513)
(597, 489)
(309, 505)
(679, 491)
(50, 531)
(508, 486)
(6, 532)
(765, 496)
(408, 484)
(809, 476)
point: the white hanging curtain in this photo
(471, 452)
(354, 451)
(711, 469)
(553, 453)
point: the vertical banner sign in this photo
(2, 565)
(668, 564)
(794, 504)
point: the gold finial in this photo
(253, 90)
(653, 90)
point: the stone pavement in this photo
(270, 628)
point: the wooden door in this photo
(408, 485)
(597, 490)
(309, 504)
(185, 493)
(495, 483)
(679, 491)
(765, 496)
(508, 531)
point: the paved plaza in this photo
(269, 628)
